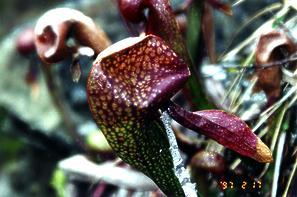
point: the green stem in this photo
(194, 85)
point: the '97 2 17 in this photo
(244, 185)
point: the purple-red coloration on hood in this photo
(224, 128)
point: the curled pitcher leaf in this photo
(160, 21)
(55, 27)
(224, 128)
(132, 10)
(272, 47)
(158, 18)
(128, 82)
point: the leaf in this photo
(272, 46)
(128, 82)
(57, 26)
(132, 11)
(145, 74)
(160, 21)
(224, 128)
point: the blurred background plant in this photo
(38, 157)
